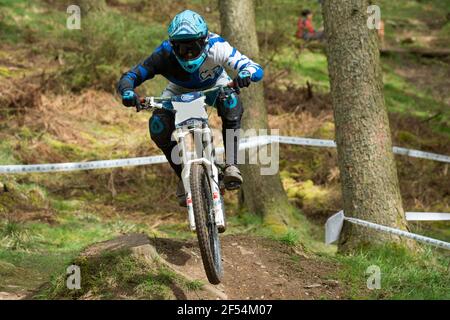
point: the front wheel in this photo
(207, 233)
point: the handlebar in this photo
(147, 103)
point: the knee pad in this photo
(161, 126)
(231, 101)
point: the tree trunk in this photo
(262, 194)
(370, 186)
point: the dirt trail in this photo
(256, 268)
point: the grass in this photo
(37, 250)
(291, 238)
(24, 21)
(405, 98)
(177, 231)
(194, 285)
(413, 9)
(403, 275)
(300, 232)
(437, 230)
(6, 153)
(414, 19)
(401, 96)
(303, 67)
(106, 39)
(95, 56)
(15, 237)
(62, 205)
(34, 253)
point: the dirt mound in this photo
(136, 267)
(126, 267)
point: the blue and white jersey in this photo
(163, 61)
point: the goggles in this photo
(188, 49)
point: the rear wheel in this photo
(207, 233)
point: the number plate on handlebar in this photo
(187, 97)
(192, 110)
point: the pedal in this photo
(221, 229)
(233, 185)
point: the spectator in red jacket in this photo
(306, 29)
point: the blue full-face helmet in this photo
(188, 35)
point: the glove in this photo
(243, 79)
(130, 99)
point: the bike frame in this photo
(204, 153)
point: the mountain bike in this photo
(202, 176)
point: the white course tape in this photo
(334, 225)
(104, 164)
(307, 142)
(421, 154)
(410, 235)
(74, 166)
(331, 144)
(246, 143)
(427, 216)
(252, 142)
(262, 140)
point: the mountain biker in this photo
(193, 59)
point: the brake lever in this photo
(139, 107)
(234, 88)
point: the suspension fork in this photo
(185, 173)
(204, 155)
(213, 174)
